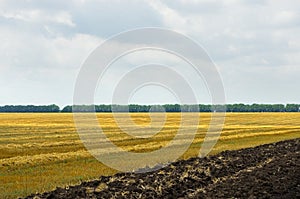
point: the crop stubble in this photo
(39, 152)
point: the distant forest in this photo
(153, 108)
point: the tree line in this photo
(30, 109)
(155, 108)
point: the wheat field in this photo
(41, 151)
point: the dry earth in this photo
(266, 171)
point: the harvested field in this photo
(39, 152)
(266, 171)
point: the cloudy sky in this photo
(254, 44)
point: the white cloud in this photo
(63, 18)
(253, 39)
(284, 17)
(253, 42)
(39, 69)
(39, 16)
(176, 21)
(71, 51)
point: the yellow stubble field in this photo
(41, 151)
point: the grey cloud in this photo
(254, 43)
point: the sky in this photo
(255, 46)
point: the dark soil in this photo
(266, 171)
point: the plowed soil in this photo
(266, 171)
